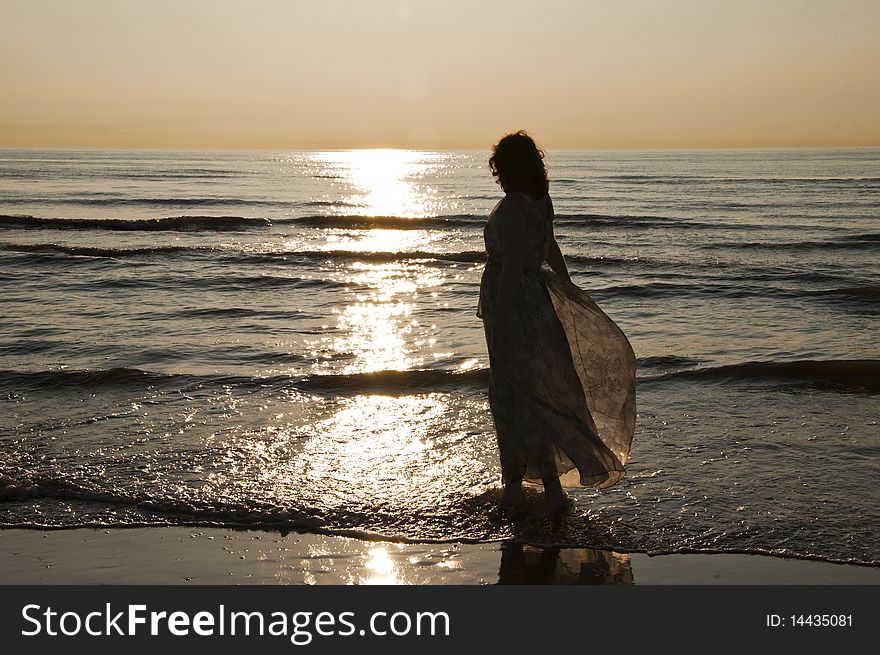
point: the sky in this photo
(330, 74)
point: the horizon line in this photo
(413, 149)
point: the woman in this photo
(562, 374)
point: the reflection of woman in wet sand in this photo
(521, 564)
(562, 374)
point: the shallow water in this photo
(288, 340)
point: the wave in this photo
(177, 511)
(244, 312)
(247, 256)
(641, 263)
(860, 375)
(851, 375)
(671, 279)
(849, 182)
(390, 222)
(407, 381)
(859, 299)
(339, 221)
(108, 505)
(87, 251)
(397, 381)
(120, 376)
(868, 236)
(847, 243)
(855, 293)
(185, 174)
(100, 200)
(467, 256)
(470, 256)
(173, 223)
(665, 361)
(718, 288)
(633, 221)
(668, 179)
(122, 170)
(325, 203)
(640, 222)
(221, 282)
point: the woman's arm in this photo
(554, 257)
(513, 232)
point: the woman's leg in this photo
(511, 496)
(554, 497)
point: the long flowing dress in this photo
(562, 380)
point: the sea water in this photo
(288, 341)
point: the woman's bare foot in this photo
(510, 498)
(555, 500)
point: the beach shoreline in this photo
(181, 555)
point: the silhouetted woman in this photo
(562, 374)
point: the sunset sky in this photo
(451, 74)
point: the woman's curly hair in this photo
(519, 165)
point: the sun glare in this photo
(381, 567)
(384, 182)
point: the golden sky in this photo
(439, 74)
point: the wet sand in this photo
(178, 555)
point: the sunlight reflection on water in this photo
(384, 182)
(377, 327)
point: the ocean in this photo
(287, 341)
